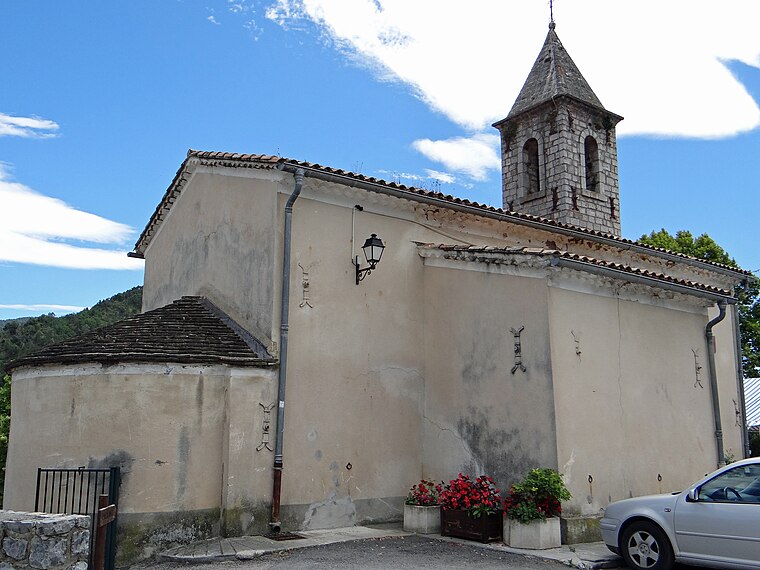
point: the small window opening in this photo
(532, 184)
(591, 154)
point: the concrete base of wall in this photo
(338, 512)
(140, 535)
(580, 529)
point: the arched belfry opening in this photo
(591, 162)
(558, 146)
(531, 172)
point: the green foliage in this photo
(754, 443)
(5, 426)
(20, 337)
(424, 493)
(702, 247)
(537, 496)
(749, 325)
(748, 293)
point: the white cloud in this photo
(430, 178)
(34, 227)
(27, 127)
(474, 155)
(236, 6)
(43, 308)
(213, 20)
(284, 12)
(444, 177)
(660, 64)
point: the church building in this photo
(314, 341)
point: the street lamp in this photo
(373, 250)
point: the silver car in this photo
(715, 523)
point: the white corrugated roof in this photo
(752, 400)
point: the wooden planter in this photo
(536, 535)
(486, 528)
(422, 519)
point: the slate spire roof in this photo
(191, 330)
(554, 74)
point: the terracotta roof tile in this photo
(262, 161)
(474, 250)
(190, 330)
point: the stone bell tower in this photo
(558, 147)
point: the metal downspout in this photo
(714, 380)
(274, 522)
(740, 382)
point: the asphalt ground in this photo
(413, 551)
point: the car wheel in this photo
(645, 546)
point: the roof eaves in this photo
(381, 186)
(553, 101)
(448, 201)
(588, 264)
(107, 359)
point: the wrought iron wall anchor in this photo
(305, 287)
(697, 369)
(577, 344)
(518, 350)
(265, 428)
(738, 414)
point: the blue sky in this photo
(101, 100)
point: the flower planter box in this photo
(536, 535)
(422, 519)
(486, 528)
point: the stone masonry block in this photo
(20, 526)
(80, 542)
(47, 553)
(60, 526)
(15, 548)
(78, 566)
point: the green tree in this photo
(748, 293)
(754, 443)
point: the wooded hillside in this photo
(18, 339)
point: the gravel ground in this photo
(382, 553)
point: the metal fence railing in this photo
(76, 492)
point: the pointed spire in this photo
(554, 74)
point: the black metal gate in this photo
(75, 492)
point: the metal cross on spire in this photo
(551, 11)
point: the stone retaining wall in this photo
(47, 542)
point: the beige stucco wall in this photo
(409, 373)
(163, 425)
(479, 416)
(628, 410)
(355, 369)
(219, 241)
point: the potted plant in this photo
(422, 512)
(532, 510)
(471, 509)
